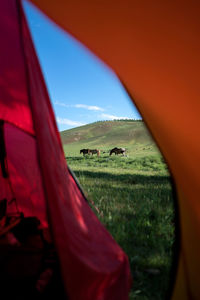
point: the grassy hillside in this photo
(131, 195)
(130, 134)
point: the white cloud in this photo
(65, 121)
(88, 107)
(112, 117)
(61, 104)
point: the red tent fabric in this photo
(93, 265)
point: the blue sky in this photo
(82, 89)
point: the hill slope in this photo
(130, 134)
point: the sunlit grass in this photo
(134, 198)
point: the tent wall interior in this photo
(154, 49)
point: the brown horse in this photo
(118, 151)
(94, 151)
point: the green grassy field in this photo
(133, 197)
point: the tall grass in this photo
(134, 197)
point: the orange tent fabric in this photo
(154, 47)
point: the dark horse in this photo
(85, 151)
(118, 151)
(90, 151)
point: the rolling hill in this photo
(105, 135)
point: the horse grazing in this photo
(118, 151)
(85, 151)
(94, 151)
